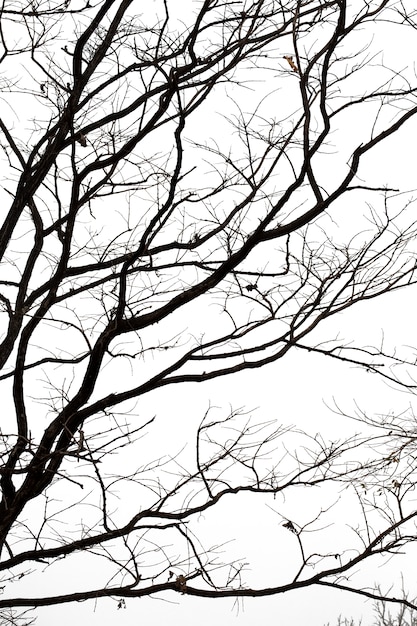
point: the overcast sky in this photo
(303, 390)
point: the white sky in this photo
(295, 391)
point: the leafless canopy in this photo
(191, 190)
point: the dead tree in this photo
(188, 194)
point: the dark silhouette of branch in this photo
(188, 198)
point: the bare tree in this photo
(190, 192)
(404, 616)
